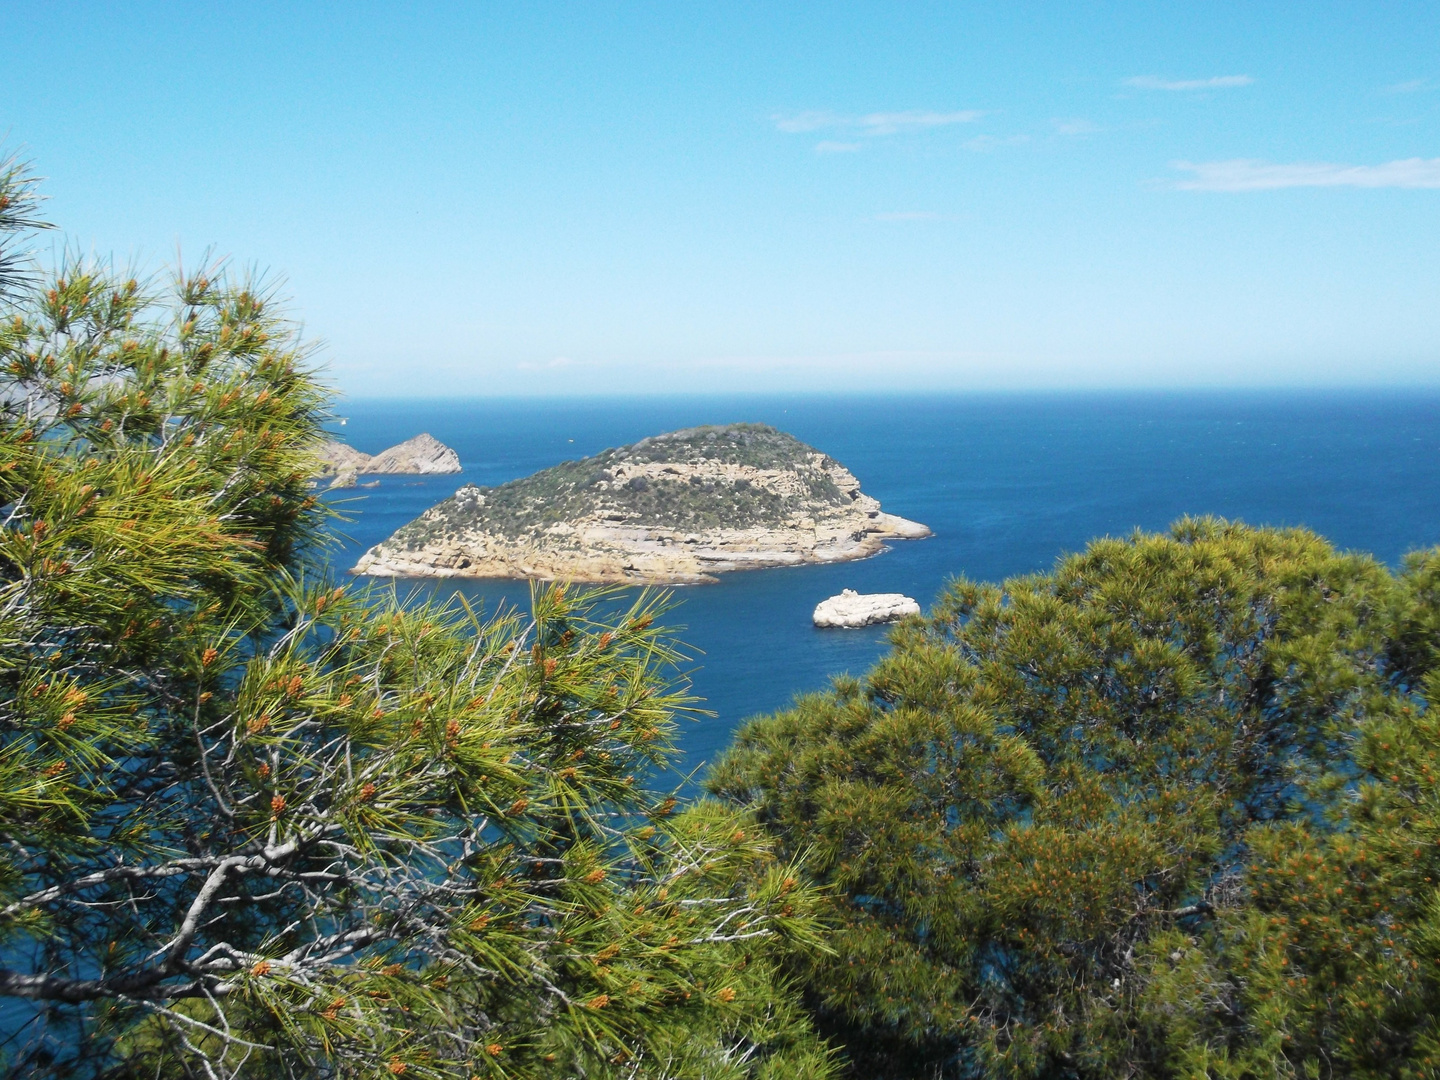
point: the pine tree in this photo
(256, 823)
(1170, 810)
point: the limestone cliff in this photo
(672, 508)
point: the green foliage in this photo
(1170, 810)
(607, 486)
(19, 205)
(258, 824)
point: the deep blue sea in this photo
(1007, 482)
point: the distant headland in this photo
(424, 455)
(677, 508)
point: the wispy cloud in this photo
(889, 123)
(1410, 86)
(828, 146)
(1250, 175)
(874, 124)
(985, 143)
(1216, 82)
(909, 215)
(1075, 125)
(807, 121)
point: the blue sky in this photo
(502, 199)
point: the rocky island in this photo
(424, 455)
(677, 508)
(853, 610)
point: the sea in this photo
(1009, 483)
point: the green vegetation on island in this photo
(589, 488)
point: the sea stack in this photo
(677, 508)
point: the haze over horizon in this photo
(565, 200)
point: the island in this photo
(677, 508)
(424, 455)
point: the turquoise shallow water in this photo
(1008, 483)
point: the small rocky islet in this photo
(851, 610)
(676, 508)
(423, 455)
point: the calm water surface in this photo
(1008, 483)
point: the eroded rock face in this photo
(424, 455)
(675, 508)
(851, 609)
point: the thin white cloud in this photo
(889, 123)
(1410, 86)
(874, 124)
(1250, 175)
(985, 143)
(807, 121)
(908, 215)
(1075, 125)
(827, 146)
(1217, 82)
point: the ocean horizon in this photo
(1009, 482)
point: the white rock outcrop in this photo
(851, 609)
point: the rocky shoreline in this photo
(674, 509)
